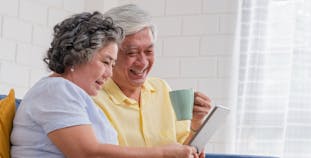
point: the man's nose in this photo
(142, 59)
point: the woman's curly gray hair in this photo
(77, 38)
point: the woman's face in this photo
(93, 74)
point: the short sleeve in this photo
(182, 131)
(62, 105)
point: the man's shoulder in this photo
(157, 82)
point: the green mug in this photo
(182, 101)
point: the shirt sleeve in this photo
(182, 131)
(62, 105)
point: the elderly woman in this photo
(57, 117)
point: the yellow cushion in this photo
(7, 112)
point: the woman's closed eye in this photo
(109, 63)
(106, 62)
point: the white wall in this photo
(194, 48)
(25, 34)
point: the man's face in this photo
(135, 59)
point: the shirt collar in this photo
(118, 97)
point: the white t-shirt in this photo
(54, 103)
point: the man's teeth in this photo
(138, 72)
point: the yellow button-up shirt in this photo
(150, 123)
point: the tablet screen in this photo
(213, 121)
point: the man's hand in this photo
(202, 106)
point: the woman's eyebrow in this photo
(109, 57)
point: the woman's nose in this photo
(108, 72)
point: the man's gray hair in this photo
(131, 18)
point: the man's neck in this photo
(129, 91)
(132, 93)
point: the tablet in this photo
(215, 118)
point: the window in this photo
(274, 87)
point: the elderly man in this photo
(138, 106)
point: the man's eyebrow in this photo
(129, 47)
(151, 45)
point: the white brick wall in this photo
(183, 7)
(1, 26)
(42, 36)
(92, 5)
(74, 5)
(30, 56)
(202, 67)
(227, 23)
(55, 15)
(181, 83)
(16, 29)
(9, 8)
(216, 45)
(15, 74)
(25, 35)
(33, 12)
(194, 47)
(53, 3)
(194, 25)
(166, 67)
(99, 5)
(168, 26)
(181, 46)
(219, 6)
(7, 50)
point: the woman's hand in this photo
(179, 151)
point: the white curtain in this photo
(274, 83)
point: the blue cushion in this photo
(17, 101)
(235, 156)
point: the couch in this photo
(209, 155)
(8, 104)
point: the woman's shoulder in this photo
(53, 87)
